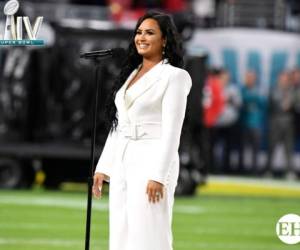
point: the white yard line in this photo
(188, 209)
(101, 205)
(238, 246)
(181, 244)
(52, 202)
(47, 242)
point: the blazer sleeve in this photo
(173, 112)
(106, 159)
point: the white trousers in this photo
(135, 223)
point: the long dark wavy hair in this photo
(173, 52)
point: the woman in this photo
(140, 157)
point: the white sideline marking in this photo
(215, 245)
(81, 204)
(182, 244)
(48, 242)
(34, 226)
(188, 209)
(53, 202)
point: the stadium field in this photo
(48, 220)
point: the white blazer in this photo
(158, 97)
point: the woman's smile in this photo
(143, 45)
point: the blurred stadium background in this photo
(240, 160)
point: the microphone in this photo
(116, 52)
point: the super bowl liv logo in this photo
(13, 32)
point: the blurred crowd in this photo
(240, 122)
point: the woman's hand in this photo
(98, 183)
(155, 191)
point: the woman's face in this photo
(149, 40)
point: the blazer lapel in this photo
(147, 80)
(124, 86)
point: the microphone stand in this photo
(96, 56)
(92, 155)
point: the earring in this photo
(163, 52)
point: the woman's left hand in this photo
(155, 191)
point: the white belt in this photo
(140, 130)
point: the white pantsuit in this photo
(145, 147)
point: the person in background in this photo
(295, 79)
(251, 121)
(213, 104)
(227, 123)
(281, 123)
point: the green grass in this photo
(46, 220)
